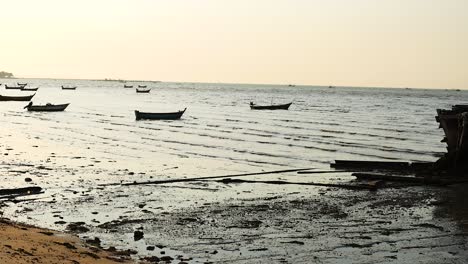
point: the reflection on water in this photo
(321, 125)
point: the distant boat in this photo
(13, 87)
(68, 88)
(143, 90)
(16, 98)
(128, 86)
(331, 86)
(141, 86)
(269, 107)
(46, 108)
(29, 88)
(291, 85)
(22, 84)
(159, 116)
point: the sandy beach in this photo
(28, 244)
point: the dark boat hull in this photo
(47, 108)
(159, 116)
(68, 88)
(270, 107)
(29, 89)
(16, 98)
(13, 87)
(128, 86)
(143, 91)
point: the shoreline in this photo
(22, 243)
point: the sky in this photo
(374, 43)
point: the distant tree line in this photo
(4, 74)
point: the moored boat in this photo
(13, 87)
(143, 90)
(128, 86)
(68, 88)
(16, 98)
(159, 116)
(270, 107)
(141, 86)
(46, 108)
(29, 88)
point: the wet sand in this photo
(218, 222)
(337, 226)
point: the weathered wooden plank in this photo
(8, 193)
(370, 164)
(380, 176)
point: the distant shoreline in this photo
(286, 85)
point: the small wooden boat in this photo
(22, 84)
(128, 86)
(141, 86)
(68, 88)
(159, 116)
(16, 98)
(46, 108)
(143, 90)
(29, 88)
(269, 107)
(13, 87)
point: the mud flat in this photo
(246, 222)
(404, 225)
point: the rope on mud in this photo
(344, 186)
(206, 177)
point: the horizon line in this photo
(275, 84)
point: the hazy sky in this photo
(393, 43)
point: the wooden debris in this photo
(9, 193)
(398, 167)
(322, 172)
(454, 122)
(408, 179)
(386, 177)
(371, 164)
